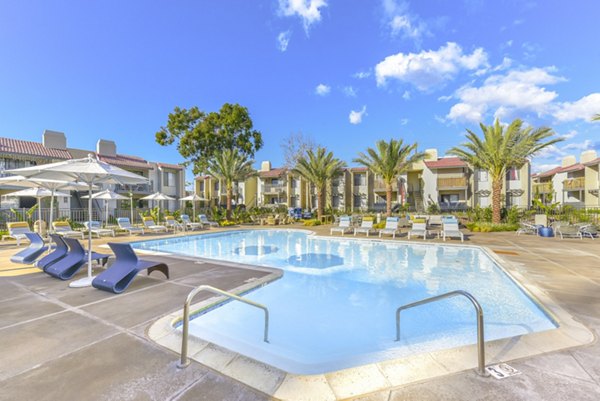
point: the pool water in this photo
(335, 305)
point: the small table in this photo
(546, 232)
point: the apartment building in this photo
(164, 177)
(214, 191)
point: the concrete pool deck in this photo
(61, 343)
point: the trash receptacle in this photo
(546, 232)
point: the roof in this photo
(33, 149)
(358, 169)
(273, 173)
(592, 162)
(125, 161)
(566, 169)
(169, 165)
(445, 162)
(572, 167)
(549, 173)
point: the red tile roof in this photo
(550, 172)
(28, 148)
(359, 169)
(169, 165)
(572, 167)
(126, 161)
(592, 162)
(273, 173)
(445, 162)
(560, 169)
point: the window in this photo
(335, 201)
(294, 183)
(169, 179)
(482, 175)
(357, 200)
(360, 179)
(449, 199)
(201, 186)
(216, 185)
(275, 182)
(513, 174)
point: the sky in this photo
(343, 72)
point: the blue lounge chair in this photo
(124, 269)
(60, 251)
(28, 255)
(76, 257)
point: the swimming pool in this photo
(335, 305)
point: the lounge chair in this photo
(170, 222)
(365, 227)
(589, 230)
(59, 252)
(435, 220)
(418, 229)
(28, 255)
(526, 228)
(272, 220)
(206, 222)
(187, 223)
(566, 230)
(451, 230)
(119, 275)
(149, 224)
(17, 231)
(391, 227)
(98, 230)
(64, 228)
(125, 224)
(75, 258)
(344, 226)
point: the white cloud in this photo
(283, 40)
(402, 22)
(583, 108)
(362, 74)
(404, 121)
(357, 116)
(308, 10)
(322, 90)
(570, 135)
(540, 168)
(349, 91)
(430, 68)
(580, 146)
(406, 95)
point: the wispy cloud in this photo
(283, 40)
(322, 90)
(307, 10)
(402, 22)
(362, 74)
(349, 91)
(406, 95)
(356, 117)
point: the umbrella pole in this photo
(131, 206)
(105, 213)
(51, 211)
(39, 208)
(87, 281)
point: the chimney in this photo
(54, 140)
(587, 156)
(265, 166)
(431, 154)
(106, 148)
(568, 161)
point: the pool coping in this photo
(373, 377)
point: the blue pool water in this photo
(335, 305)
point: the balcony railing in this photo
(379, 186)
(448, 183)
(136, 189)
(274, 189)
(574, 184)
(542, 188)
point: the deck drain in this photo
(505, 252)
(502, 371)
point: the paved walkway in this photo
(60, 343)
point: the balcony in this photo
(452, 183)
(379, 185)
(574, 184)
(269, 189)
(135, 189)
(542, 188)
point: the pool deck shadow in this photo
(61, 343)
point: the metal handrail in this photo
(480, 337)
(185, 361)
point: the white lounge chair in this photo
(564, 229)
(64, 229)
(391, 227)
(206, 222)
(365, 227)
(418, 229)
(170, 222)
(526, 228)
(98, 230)
(343, 227)
(187, 223)
(149, 224)
(125, 224)
(451, 230)
(17, 231)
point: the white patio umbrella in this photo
(106, 195)
(37, 193)
(194, 198)
(158, 196)
(88, 170)
(52, 185)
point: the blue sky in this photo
(343, 72)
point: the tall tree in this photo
(596, 117)
(389, 160)
(294, 147)
(230, 166)
(318, 167)
(202, 136)
(500, 148)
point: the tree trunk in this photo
(496, 200)
(320, 208)
(388, 199)
(229, 196)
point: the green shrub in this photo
(312, 222)
(485, 227)
(227, 223)
(379, 225)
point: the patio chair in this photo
(149, 224)
(403, 222)
(28, 255)
(187, 223)
(272, 220)
(391, 227)
(64, 228)
(563, 230)
(435, 220)
(126, 266)
(344, 226)
(418, 229)
(125, 224)
(170, 222)
(97, 229)
(17, 231)
(527, 228)
(451, 230)
(75, 258)
(206, 222)
(589, 230)
(59, 252)
(365, 227)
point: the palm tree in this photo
(596, 117)
(389, 160)
(230, 166)
(501, 148)
(318, 167)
